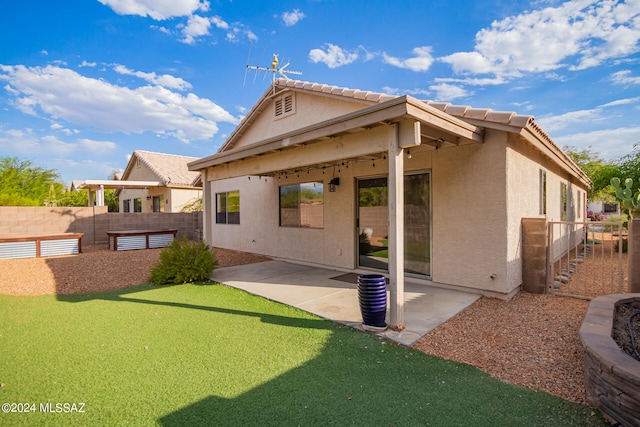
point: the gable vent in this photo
(284, 106)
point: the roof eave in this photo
(387, 112)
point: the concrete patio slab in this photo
(312, 289)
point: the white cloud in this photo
(26, 142)
(334, 56)
(625, 78)
(96, 147)
(157, 9)
(625, 101)
(471, 81)
(219, 23)
(583, 117)
(165, 80)
(420, 62)
(609, 143)
(562, 121)
(87, 64)
(238, 30)
(16, 133)
(197, 26)
(63, 94)
(418, 92)
(292, 18)
(447, 92)
(576, 35)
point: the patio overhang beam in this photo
(117, 185)
(386, 113)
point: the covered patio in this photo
(385, 132)
(333, 295)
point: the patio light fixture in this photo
(333, 183)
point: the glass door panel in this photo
(373, 223)
(417, 224)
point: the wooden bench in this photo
(126, 240)
(41, 245)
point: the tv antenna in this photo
(274, 70)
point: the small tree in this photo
(24, 184)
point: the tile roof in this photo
(171, 169)
(485, 117)
(461, 111)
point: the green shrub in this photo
(365, 244)
(184, 261)
(625, 246)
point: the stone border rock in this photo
(611, 377)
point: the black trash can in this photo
(372, 295)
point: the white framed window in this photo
(564, 205)
(302, 205)
(543, 192)
(228, 207)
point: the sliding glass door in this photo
(373, 224)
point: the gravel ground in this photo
(95, 269)
(531, 340)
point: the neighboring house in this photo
(360, 181)
(175, 186)
(600, 207)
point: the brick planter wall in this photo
(611, 377)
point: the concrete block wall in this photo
(534, 255)
(187, 224)
(94, 222)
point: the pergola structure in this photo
(96, 188)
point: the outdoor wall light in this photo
(408, 154)
(148, 197)
(333, 184)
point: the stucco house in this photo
(171, 185)
(360, 181)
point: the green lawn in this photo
(207, 354)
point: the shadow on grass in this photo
(359, 379)
(120, 295)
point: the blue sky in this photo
(84, 83)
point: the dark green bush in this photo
(184, 261)
(625, 246)
(365, 244)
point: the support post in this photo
(396, 229)
(100, 195)
(633, 260)
(207, 212)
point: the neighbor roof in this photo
(171, 169)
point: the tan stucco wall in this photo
(469, 215)
(480, 193)
(523, 201)
(309, 110)
(174, 198)
(259, 230)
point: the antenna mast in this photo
(274, 69)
